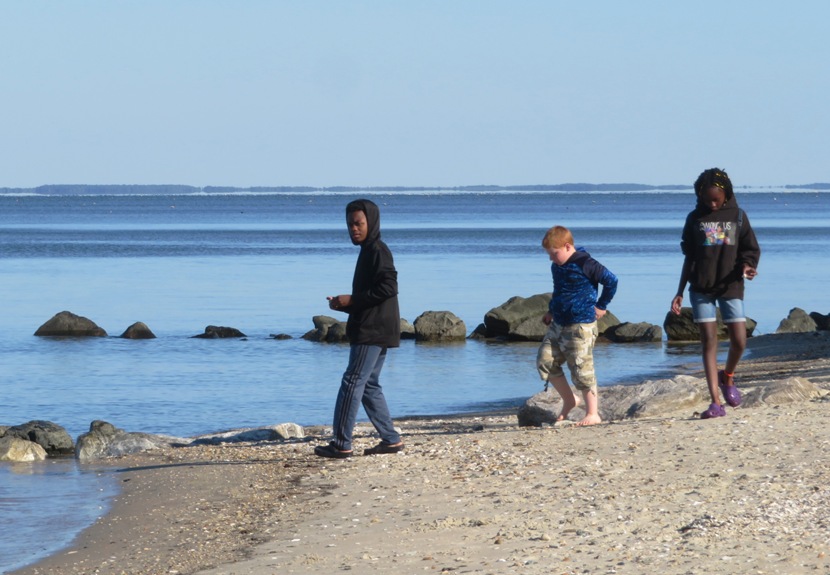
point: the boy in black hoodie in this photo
(720, 251)
(374, 325)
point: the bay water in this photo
(265, 262)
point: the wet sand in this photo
(747, 493)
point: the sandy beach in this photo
(747, 493)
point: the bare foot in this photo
(589, 420)
(566, 409)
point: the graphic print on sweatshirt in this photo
(719, 233)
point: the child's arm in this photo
(749, 252)
(609, 288)
(677, 301)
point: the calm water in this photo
(265, 263)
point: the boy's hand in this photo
(339, 301)
(547, 318)
(749, 272)
(600, 312)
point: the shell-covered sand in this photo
(747, 493)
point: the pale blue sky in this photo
(432, 93)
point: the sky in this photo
(420, 93)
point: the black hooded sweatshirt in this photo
(374, 317)
(717, 245)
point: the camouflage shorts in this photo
(571, 344)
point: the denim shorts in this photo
(703, 308)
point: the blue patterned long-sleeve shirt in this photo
(575, 289)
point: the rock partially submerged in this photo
(517, 319)
(67, 324)
(219, 332)
(628, 332)
(54, 439)
(682, 327)
(439, 326)
(138, 330)
(327, 330)
(19, 450)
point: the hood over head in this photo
(372, 212)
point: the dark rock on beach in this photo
(220, 332)
(53, 438)
(138, 330)
(439, 326)
(280, 336)
(68, 324)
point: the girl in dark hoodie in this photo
(720, 251)
(374, 325)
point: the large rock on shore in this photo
(649, 399)
(68, 324)
(20, 450)
(790, 390)
(53, 438)
(439, 326)
(281, 432)
(105, 440)
(682, 327)
(797, 322)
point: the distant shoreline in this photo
(165, 189)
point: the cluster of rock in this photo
(68, 324)
(34, 441)
(517, 319)
(37, 440)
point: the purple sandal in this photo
(728, 389)
(714, 410)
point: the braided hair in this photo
(713, 177)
